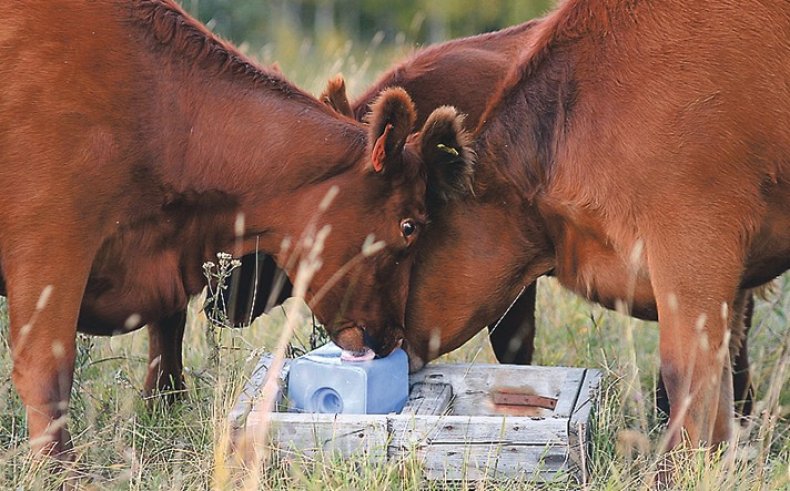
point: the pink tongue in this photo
(365, 355)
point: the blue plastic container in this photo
(321, 382)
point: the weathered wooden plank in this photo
(415, 431)
(428, 399)
(488, 462)
(579, 441)
(569, 392)
(448, 373)
(237, 416)
(472, 385)
(313, 434)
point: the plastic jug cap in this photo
(327, 400)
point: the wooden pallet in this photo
(451, 424)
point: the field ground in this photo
(122, 445)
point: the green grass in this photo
(121, 444)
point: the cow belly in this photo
(769, 255)
(123, 303)
(593, 269)
(619, 289)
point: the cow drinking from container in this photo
(641, 151)
(459, 73)
(456, 73)
(132, 141)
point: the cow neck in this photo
(271, 151)
(521, 136)
(515, 160)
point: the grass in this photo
(121, 444)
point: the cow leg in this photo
(165, 366)
(275, 287)
(272, 287)
(743, 391)
(692, 281)
(44, 297)
(741, 379)
(694, 373)
(513, 339)
(256, 286)
(662, 399)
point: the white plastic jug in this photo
(322, 382)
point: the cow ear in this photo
(391, 119)
(446, 149)
(334, 96)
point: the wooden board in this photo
(249, 395)
(473, 383)
(492, 462)
(452, 428)
(428, 398)
(409, 431)
(579, 438)
(363, 436)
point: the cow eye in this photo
(408, 227)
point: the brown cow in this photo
(444, 74)
(641, 152)
(458, 73)
(132, 142)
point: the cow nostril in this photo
(369, 341)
